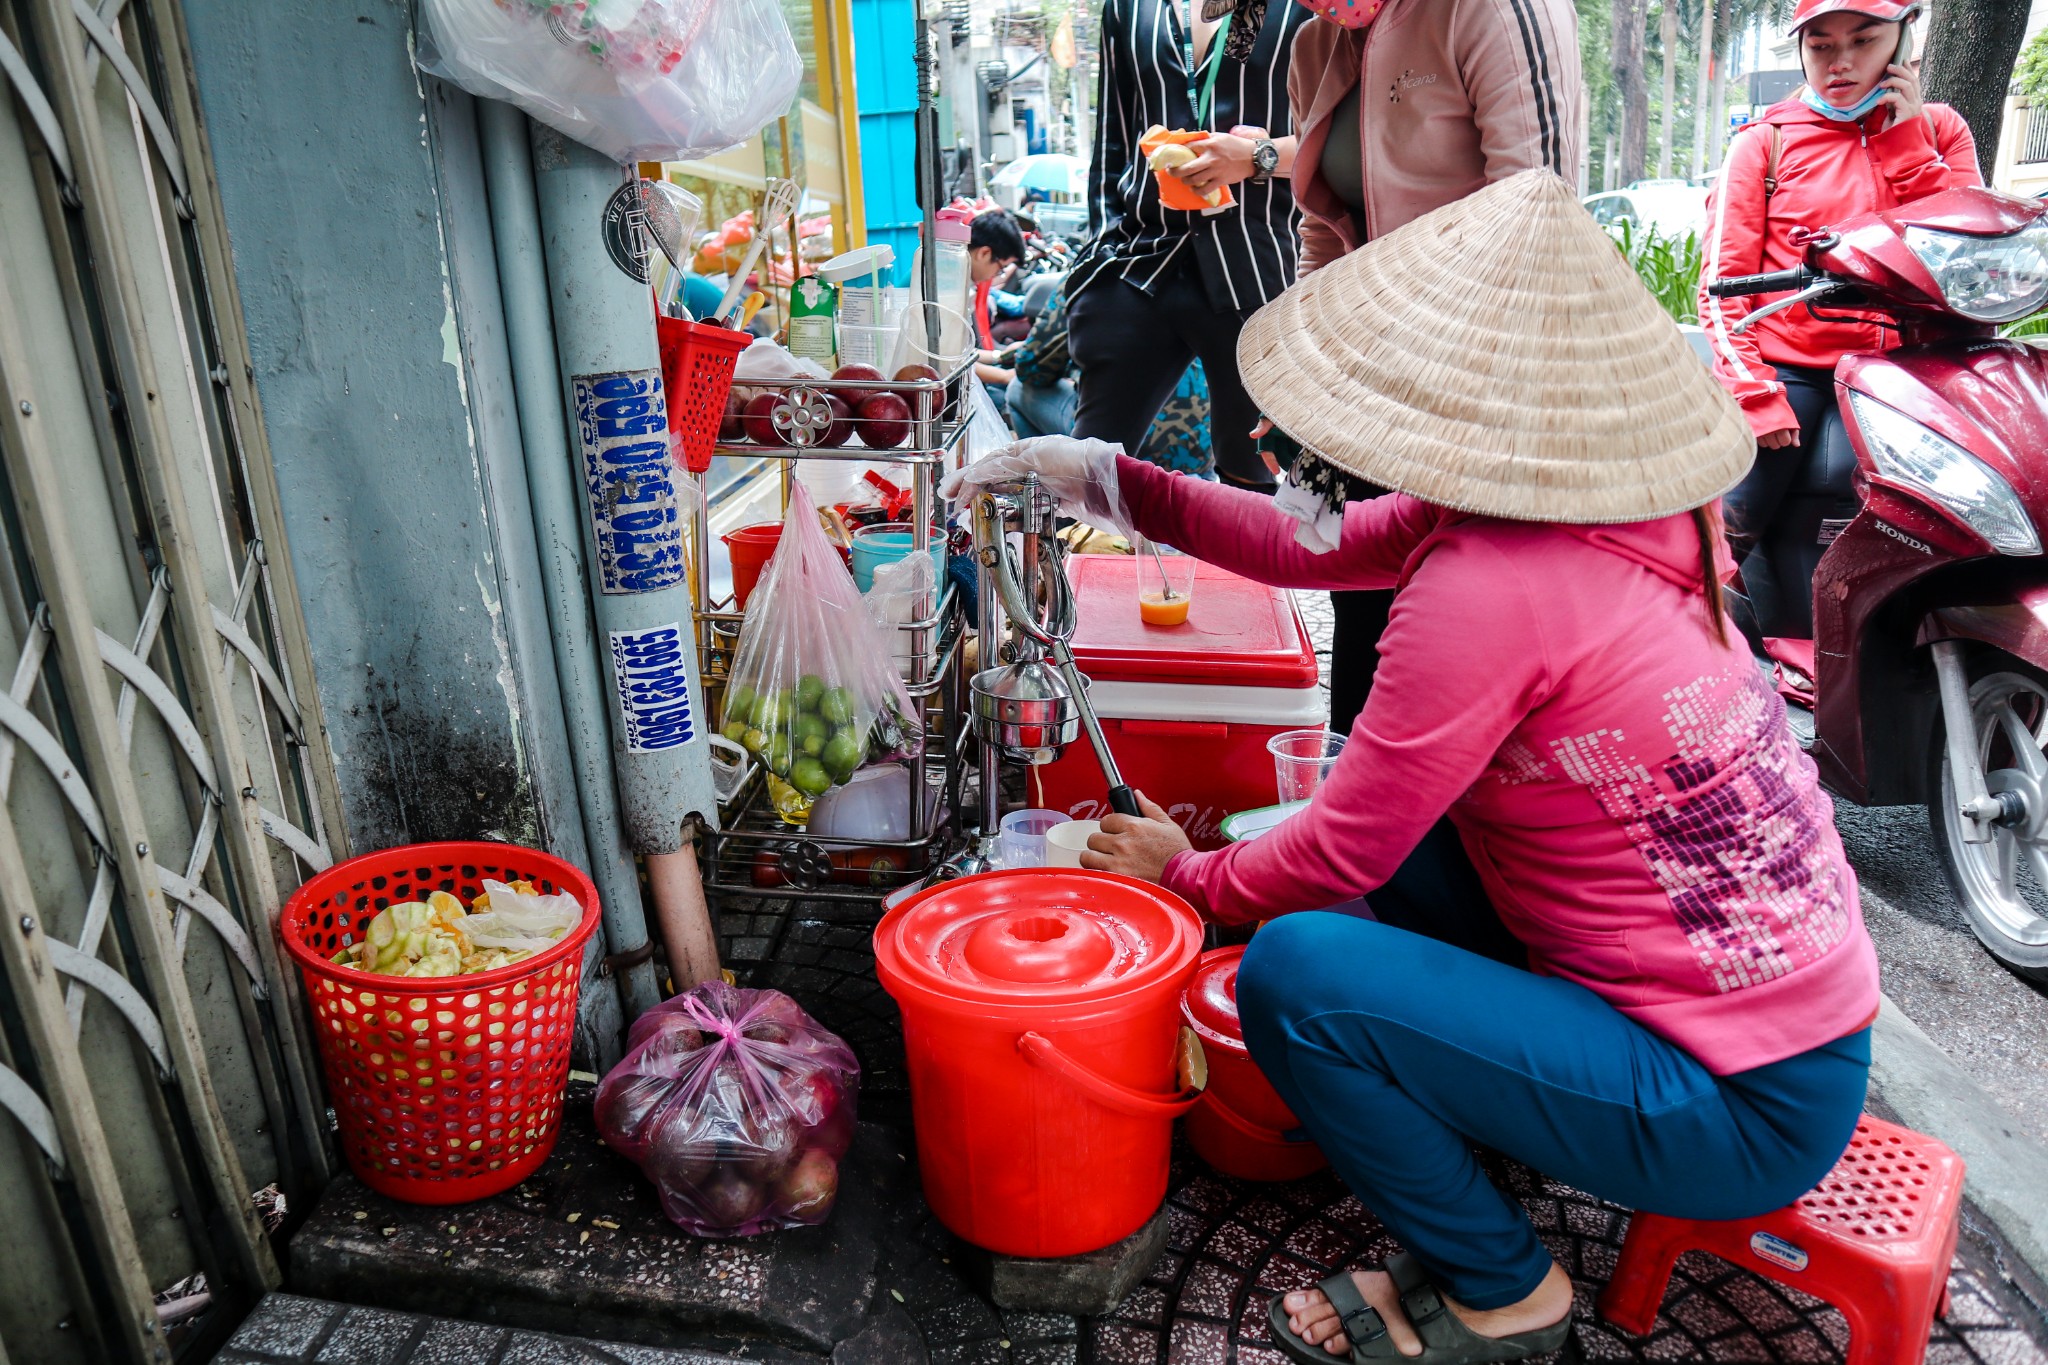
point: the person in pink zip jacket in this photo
(1690, 1035)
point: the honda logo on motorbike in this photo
(1900, 536)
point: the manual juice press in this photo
(1031, 701)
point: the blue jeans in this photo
(1039, 411)
(1397, 1052)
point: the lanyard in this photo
(1203, 102)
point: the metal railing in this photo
(164, 776)
(2034, 134)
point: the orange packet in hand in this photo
(1174, 192)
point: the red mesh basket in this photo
(446, 1088)
(697, 360)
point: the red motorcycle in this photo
(1928, 621)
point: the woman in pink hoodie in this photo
(1691, 1036)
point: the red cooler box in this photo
(1187, 709)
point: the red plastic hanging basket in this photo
(446, 1088)
(697, 361)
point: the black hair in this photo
(997, 231)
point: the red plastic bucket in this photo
(751, 548)
(1040, 1013)
(1241, 1124)
(446, 1089)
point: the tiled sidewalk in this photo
(1233, 1243)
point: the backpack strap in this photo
(1776, 142)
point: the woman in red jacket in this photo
(1855, 137)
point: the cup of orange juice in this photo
(1166, 583)
(1164, 148)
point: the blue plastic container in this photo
(874, 546)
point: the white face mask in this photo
(1849, 115)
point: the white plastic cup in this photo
(1302, 760)
(1023, 836)
(1064, 844)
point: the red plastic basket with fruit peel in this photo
(446, 1089)
(697, 362)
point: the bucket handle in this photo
(1041, 1051)
(1257, 1131)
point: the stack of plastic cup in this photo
(1023, 836)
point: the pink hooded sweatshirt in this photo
(1626, 786)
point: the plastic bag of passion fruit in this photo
(814, 692)
(737, 1105)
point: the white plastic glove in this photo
(1080, 473)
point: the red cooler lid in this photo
(1210, 1004)
(1036, 936)
(1238, 633)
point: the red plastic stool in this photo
(1874, 1239)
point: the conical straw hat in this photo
(1498, 356)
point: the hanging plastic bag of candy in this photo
(639, 80)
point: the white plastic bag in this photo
(639, 80)
(904, 592)
(520, 923)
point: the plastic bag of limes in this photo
(814, 693)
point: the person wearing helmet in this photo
(1856, 137)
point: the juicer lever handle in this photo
(1123, 800)
(1042, 1051)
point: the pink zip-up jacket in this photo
(1626, 785)
(1456, 94)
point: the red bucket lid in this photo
(1210, 1002)
(1037, 936)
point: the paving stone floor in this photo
(288, 1330)
(1233, 1244)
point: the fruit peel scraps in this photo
(508, 923)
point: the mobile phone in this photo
(1904, 56)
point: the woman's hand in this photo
(1901, 91)
(1220, 159)
(1778, 440)
(1136, 846)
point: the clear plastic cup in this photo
(1165, 582)
(1023, 836)
(1302, 759)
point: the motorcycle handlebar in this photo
(1770, 282)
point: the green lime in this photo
(837, 706)
(809, 777)
(739, 700)
(812, 745)
(779, 757)
(735, 730)
(809, 689)
(808, 725)
(755, 739)
(843, 752)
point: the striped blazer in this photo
(1246, 254)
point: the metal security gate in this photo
(164, 777)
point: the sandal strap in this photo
(1364, 1328)
(1424, 1304)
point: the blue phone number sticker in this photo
(628, 477)
(653, 685)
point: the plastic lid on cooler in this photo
(1238, 633)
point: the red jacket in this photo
(1827, 171)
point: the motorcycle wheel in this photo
(2003, 885)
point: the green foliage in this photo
(1669, 267)
(2030, 76)
(2035, 326)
